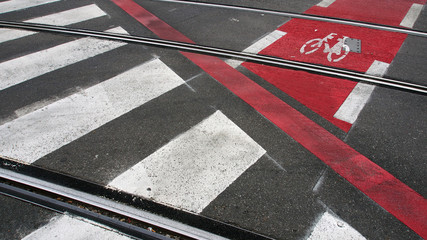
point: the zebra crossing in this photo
(63, 18)
(38, 133)
(33, 65)
(189, 169)
(15, 5)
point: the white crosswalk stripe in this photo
(38, 133)
(24, 68)
(325, 3)
(193, 169)
(359, 96)
(44, 130)
(14, 5)
(331, 227)
(59, 19)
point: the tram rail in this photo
(67, 194)
(305, 16)
(256, 58)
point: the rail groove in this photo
(256, 58)
(383, 27)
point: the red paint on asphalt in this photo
(382, 187)
(326, 94)
(376, 45)
(387, 12)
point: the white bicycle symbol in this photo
(339, 49)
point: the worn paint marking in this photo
(59, 19)
(24, 68)
(330, 227)
(194, 168)
(47, 129)
(14, 5)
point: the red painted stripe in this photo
(390, 193)
(152, 22)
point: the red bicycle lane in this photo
(379, 185)
(307, 41)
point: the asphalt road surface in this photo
(283, 153)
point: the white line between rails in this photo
(24, 68)
(359, 96)
(325, 3)
(38, 133)
(60, 19)
(258, 46)
(412, 15)
(14, 5)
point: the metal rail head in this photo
(305, 16)
(256, 58)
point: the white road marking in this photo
(325, 3)
(320, 181)
(356, 100)
(21, 69)
(59, 19)
(45, 130)
(339, 48)
(258, 46)
(330, 227)
(13, 5)
(194, 168)
(412, 15)
(67, 227)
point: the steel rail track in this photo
(43, 187)
(34, 191)
(305, 16)
(256, 58)
(32, 195)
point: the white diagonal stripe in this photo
(59, 19)
(13, 5)
(330, 227)
(325, 3)
(70, 228)
(40, 132)
(21, 69)
(357, 99)
(194, 168)
(258, 46)
(412, 15)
